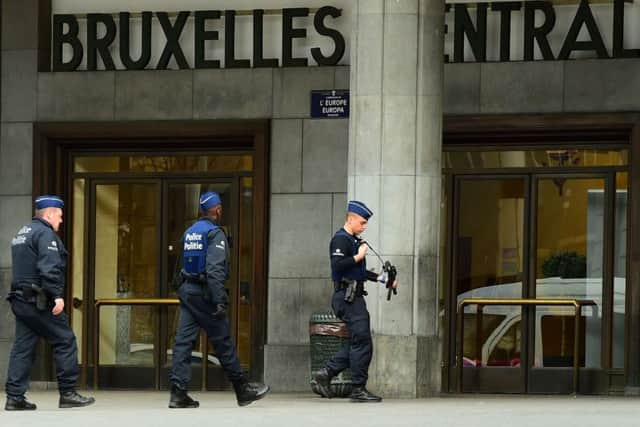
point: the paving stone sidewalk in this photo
(141, 408)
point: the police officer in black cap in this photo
(347, 252)
(203, 304)
(39, 262)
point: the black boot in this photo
(359, 393)
(71, 399)
(247, 392)
(323, 381)
(180, 399)
(19, 404)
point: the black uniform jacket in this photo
(39, 257)
(342, 248)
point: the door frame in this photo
(92, 181)
(530, 379)
(559, 380)
(475, 378)
(521, 131)
(140, 374)
(52, 142)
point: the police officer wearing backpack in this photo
(203, 304)
(39, 262)
(347, 252)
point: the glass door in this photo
(539, 236)
(135, 230)
(125, 219)
(489, 256)
(570, 243)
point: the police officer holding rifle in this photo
(347, 252)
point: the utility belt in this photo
(352, 289)
(198, 278)
(31, 293)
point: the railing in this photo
(139, 301)
(481, 302)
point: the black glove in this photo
(177, 281)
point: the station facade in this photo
(495, 143)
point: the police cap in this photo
(359, 208)
(209, 200)
(48, 201)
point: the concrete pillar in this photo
(395, 139)
(20, 24)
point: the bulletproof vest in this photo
(357, 272)
(195, 246)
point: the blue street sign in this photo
(330, 104)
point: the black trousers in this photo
(31, 324)
(196, 313)
(356, 354)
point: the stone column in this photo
(395, 139)
(20, 50)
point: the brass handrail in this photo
(480, 302)
(138, 302)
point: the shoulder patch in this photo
(18, 240)
(337, 252)
(25, 230)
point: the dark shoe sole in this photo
(76, 405)
(365, 400)
(174, 406)
(258, 397)
(9, 408)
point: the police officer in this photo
(347, 252)
(203, 304)
(39, 262)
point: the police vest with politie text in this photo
(195, 246)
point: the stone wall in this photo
(308, 161)
(577, 86)
(18, 111)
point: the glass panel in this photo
(552, 158)
(183, 210)
(77, 262)
(186, 163)
(489, 264)
(96, 164)
(619, 270)
(126, 267)
(506, 348)
(245, 271)
(569, 264)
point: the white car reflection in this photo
(143, 350)
(504, 338)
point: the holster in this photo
(31, 291)
(350, 292)
(42, 299)
(353, 290)
(177, 281)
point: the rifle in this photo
(391, 272)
